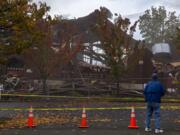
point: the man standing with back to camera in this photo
(153, 92)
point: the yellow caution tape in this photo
(76, 109)
(43, 96)
(75, 97)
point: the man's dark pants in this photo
(153, 107)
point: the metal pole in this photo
(1, 88)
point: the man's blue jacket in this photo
(153, 91)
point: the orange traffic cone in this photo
(30, 122)
(133, 120)
(83, 120)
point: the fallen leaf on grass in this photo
(21, 122)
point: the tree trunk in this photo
(45, 90)
(117, 92)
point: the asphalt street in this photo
(77, 131)
(101, 122)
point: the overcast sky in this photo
(128, 8)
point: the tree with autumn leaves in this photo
(18, 20)
(46, 60)
(18, 26)
(177, 41)
(115, 42)
(26, 30)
